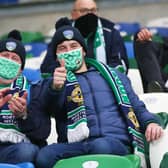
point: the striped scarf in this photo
(9, 130)
(77, 120)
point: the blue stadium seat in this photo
(161, 31)
(129, 49)
(35, 54)
(127, 28)
(7, 2)
(32, 75)
(20, 165)
(35, 49)
(25, 165)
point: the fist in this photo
(59, 76)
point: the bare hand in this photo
(59, 77)
(153, 132)
(144, 35)
(4, 99)
(18, 105)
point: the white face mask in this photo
(73, 59)
(8, 69)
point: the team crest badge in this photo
(11, 46)
(133, 119)
(68, 34)
(76, 95)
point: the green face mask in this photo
(8, 69)
(73, 59)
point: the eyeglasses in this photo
(86, 10)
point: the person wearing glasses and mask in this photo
(103, 40)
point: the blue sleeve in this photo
(144, 116)
(53, 100)
(37, 125)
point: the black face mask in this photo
(87, 24)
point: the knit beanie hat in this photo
(65, 33)
(13, 44)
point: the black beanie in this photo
(13, 44)
(67, 33)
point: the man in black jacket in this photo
(103, 40)
(152, 58)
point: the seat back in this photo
(155, 103)
(136, 81)
(53, 134)
(19, 165)
(6, 165)
(161, 31)
(100, 161)
(127, 28)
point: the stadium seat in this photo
(127, 28)
(136, 80)
(129, 49)
(25, 165)
(32, 75)
(34, 49)
(53, 135)
(20, 165)
(161, 31)
(157, 103)
(8, 2)
(29, 36)
(100, 161)
(32, 66)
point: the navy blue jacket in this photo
(103, 115)
(115, 49)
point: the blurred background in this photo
(36, 20)
(41, 15)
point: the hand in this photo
(144, 35)
(59, 76)
(4, 99)
(18, 106)
(153, 132)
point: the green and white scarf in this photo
(99, 48)
(9, 130)
(99, 44)
(77, 120)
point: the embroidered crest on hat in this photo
(68, 34)
(11, 46)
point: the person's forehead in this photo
(85, 4)
(9, 53)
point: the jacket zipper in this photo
(95, 104)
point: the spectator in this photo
(94, 105)
(20, 127)
(103, 40)
(151, 58)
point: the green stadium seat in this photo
(29, 36)
(100, 161)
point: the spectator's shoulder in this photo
(107, 23)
